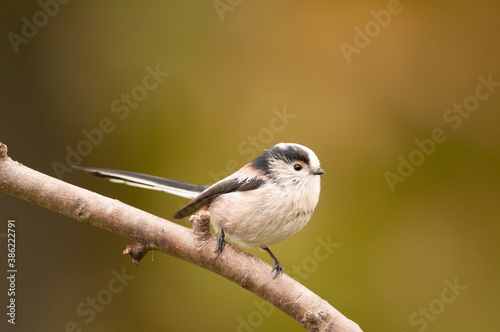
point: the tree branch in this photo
(192, 245)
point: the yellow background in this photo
(397, 248)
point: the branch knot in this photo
(312, 320)
(201, 226)
(136, 251)
(3, 150)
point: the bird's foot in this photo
(277, 265)
(278, 268)
(220, 243)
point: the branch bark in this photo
(192, 245)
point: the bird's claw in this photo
(220, 243)
(279, 270)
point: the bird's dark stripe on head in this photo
(293, 153)
(261, 163)
(287, 154)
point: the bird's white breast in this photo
(267, 215)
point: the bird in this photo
(263, 203)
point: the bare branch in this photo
(192, 245)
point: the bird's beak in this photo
(319, 171)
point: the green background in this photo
(227, 73)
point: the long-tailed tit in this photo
(263, 203)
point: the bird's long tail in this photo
(145, 181)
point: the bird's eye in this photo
(297, 166)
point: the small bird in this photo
(265, 202)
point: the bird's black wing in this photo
(222, 187)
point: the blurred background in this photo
(192, 90)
